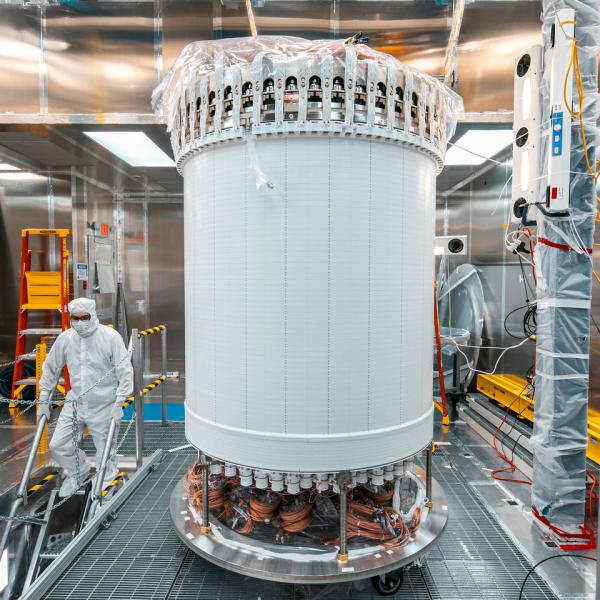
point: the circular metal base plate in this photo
(301, 564)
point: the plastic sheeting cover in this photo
(564, 297)
(213, 57)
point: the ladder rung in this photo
(46, 331)
(31, 381)
(46, 306)
(28, 356)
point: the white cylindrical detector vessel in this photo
(309, 172)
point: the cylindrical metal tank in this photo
(309, 172)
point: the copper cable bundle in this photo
(254, 511)
(217, 486)
(369, 514)
(381, 524)
(263, 511)
(295, 520)
(382, 499)
(246, 525)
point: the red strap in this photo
(586, 535)
(547, 242)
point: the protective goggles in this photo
(81, 318)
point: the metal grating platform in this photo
(155, 436)
(140, 556)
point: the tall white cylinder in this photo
(309, 303)
(309, 224)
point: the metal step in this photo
(49, 555)
(42, 331)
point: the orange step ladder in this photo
(41, 291)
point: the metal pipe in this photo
(428, 472)
(163, 342)
(13, 511)
(205, 528)
(22, 490)
(251, 19)
(138, 400)
(343, 553)
(21, 497)
(97, 495)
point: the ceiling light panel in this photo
(476, 146)
(133, 147)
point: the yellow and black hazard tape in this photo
(41, 483)
(154, 384)
(146, 390)
(118, 479)
(152, 330)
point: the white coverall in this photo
(89, 356)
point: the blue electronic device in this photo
(557, 133)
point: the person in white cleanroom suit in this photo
(93, 354)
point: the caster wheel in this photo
(389, 583)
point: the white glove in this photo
(117, 411)
(44, 405)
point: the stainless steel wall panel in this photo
(19, 59)
(165, 241)
(493, 34)
(100, 57)
(98, 208)
(135, 269)
(415, 32)
(181, 22)
(310, 18)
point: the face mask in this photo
(80, 326)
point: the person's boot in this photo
(69, 487)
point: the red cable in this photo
(512, 467)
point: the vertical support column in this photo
(120, 317)
(138, 403)
(343, 481)
(205, 528)
(163, 344)
(429, 473)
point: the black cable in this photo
(526, 283)
(517, 337)
(530, 320)
(541, 562)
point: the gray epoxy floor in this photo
(140, 556)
